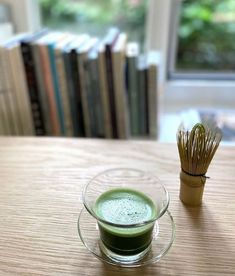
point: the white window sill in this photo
(181, 94)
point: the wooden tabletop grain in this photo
(40, 199)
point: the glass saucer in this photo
(163, 237)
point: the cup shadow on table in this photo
(110, 270)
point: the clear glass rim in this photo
(143, 223)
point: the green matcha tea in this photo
(125, 206)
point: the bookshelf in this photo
(62, 84)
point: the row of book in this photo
(62, 84)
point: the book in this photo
(70, 87)
(21, 90)
(76, 85)
(92, 81)
(29, 67)
(55, 81)
(104, 93)
(120, 94)
(152, 75)
(76, 75)
(3, 112)
(14, 121)
(142, 96)
(43, 43)
(82, 53)
(5, 116)
(93, 92)
(42, 88)
(15, 92)
(132, 53)
(2, 119)
(73, 82)
(63, 87)
(109, 42)
(90, 97)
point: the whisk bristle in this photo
(197, 147)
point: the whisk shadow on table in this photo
(206, 232)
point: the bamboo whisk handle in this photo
(191, 189)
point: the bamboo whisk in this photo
(197, 148)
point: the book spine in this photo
(104, 95)
(132, 94)
(57, 92)
(2, 121)
(22, 91)
(49, 89)
(142, 101)
(90, 98)
(64, 93)
(152, 101)
(33, 89)
(81, 59)
(3, 113)
(18, 110)
(42, 89)
(95, 91)
(72, 101)
(77, 80)
(146, 131)
(13, 108)
(120, 95)
(3, 99)
(110, 85)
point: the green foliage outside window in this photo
(96, 16)
(206, 35)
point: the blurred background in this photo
(194, 39)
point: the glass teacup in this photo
(126, 204)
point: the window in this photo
(96, 16)
(203, 39)
(183, 88)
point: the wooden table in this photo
(40, 198)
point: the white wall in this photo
(157, 31)
(25, 14)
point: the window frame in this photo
(188, 74)
(182, 91)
